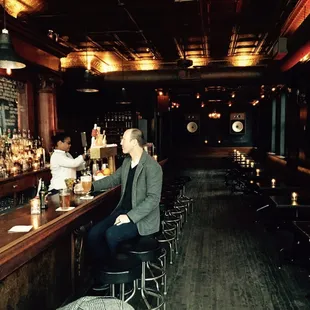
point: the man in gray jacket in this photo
(137, 212)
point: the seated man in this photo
(137, 212)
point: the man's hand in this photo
(122, 219)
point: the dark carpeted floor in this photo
(223, 262)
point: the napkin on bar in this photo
(20, 228)
(66, 209)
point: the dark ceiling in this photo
(154, 34)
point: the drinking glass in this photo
(86, 181)
(64, 198)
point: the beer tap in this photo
(84, 144)
(84, 141)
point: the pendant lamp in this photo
(88, 83)
(8, 57)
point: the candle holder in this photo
(294, 196)
(35, 206)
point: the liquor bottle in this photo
(43, 196)
(93, 135)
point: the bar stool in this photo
(146, 249)
(173, 219)
(170, 240)
(120, 269)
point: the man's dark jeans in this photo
(104, 238)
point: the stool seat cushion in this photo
(143, 247)
(122, 268)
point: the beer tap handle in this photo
(84, 141)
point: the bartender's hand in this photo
(122, 219)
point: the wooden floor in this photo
(223, 261)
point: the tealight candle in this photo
(252, 164)
(155, 157)
(257, 172)
(273, 182)
(294, 196)
(247, 161)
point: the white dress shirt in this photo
(64, 166)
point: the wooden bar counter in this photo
(45, 268)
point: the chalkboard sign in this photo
(8, 104)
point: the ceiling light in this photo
(244, 60)
(8, 57)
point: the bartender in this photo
(62, 164)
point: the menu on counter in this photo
(8, 103)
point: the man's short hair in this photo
(138, 135)
(61, 136)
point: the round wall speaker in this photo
(192, 127)
(237, 126)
